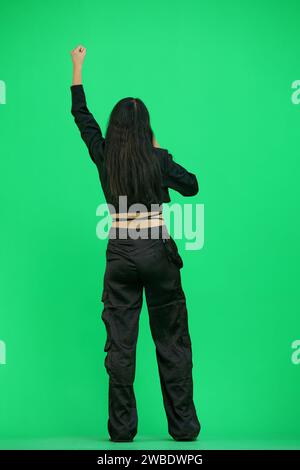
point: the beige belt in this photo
(138, 220)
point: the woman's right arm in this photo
(89, 128)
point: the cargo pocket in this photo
(104, 317)
(104, 295)
(108, 342)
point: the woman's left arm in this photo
(89, 128)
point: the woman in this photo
(131, 164)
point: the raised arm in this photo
(89, 128)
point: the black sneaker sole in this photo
(194, 438)
(121, 440)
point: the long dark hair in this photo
(132, 167)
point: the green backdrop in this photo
(217, 79)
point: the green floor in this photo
(141, 443)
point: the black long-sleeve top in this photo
(174, 176)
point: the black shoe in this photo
(121, 440)
(186, 438)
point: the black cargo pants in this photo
(153, 265)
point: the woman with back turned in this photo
(131, 165)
